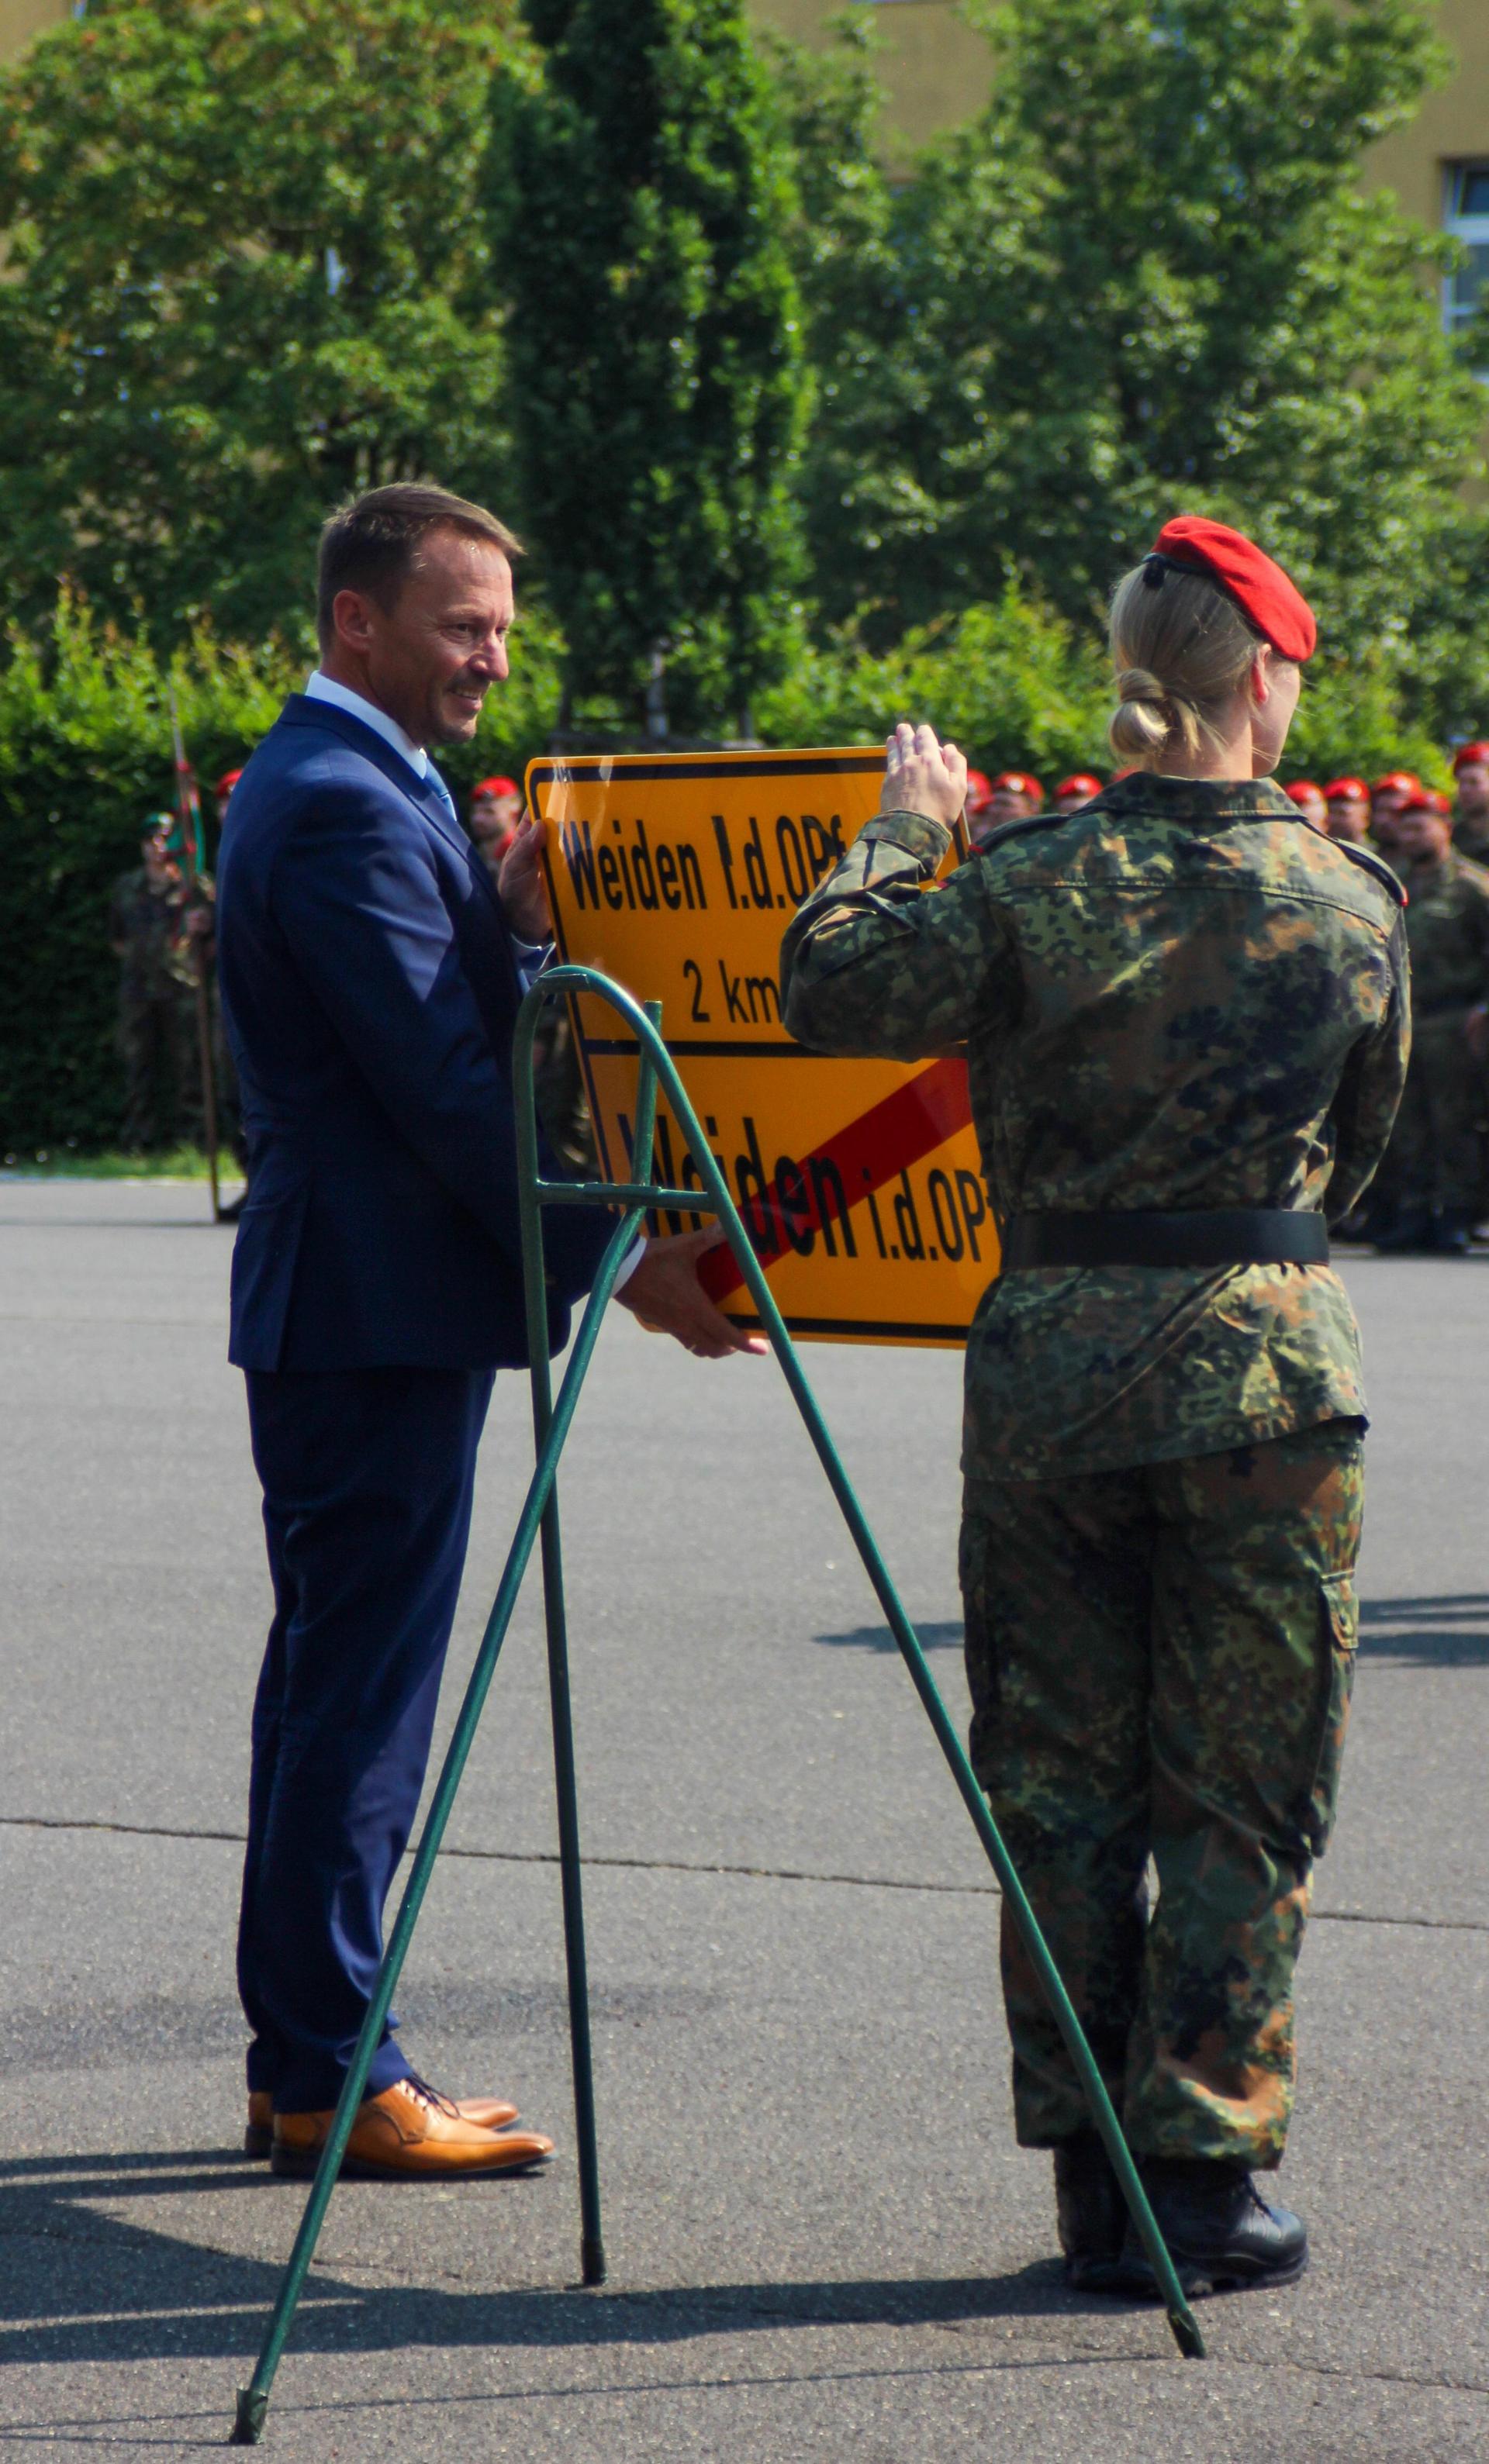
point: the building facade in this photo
(936, 72)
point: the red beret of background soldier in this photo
(1308, 797)
(496, 812)
(1013, 796)
(979, 796)
(1471, 784)
(1347, 809)
(1077, 790)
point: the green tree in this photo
(245, 275)
(640, 201)
(861, 487)
(1146, 279)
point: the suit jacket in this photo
(370, 989)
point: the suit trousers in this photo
(368, 1478)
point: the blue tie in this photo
(433, 779)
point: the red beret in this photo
(1260, 589)
(1345, 790)
(1397, 783)
(496, 787)
(1467, 752)
(1019, 782)
(1296, 787)
(227, 782)
(979, 789)
(1081, 784)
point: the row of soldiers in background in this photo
(160, 927)
(1431, 1191)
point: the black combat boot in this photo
(1223, 2234)
(1091, 2211)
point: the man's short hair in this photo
(373, 542)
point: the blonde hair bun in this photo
(1181, 648)
(1144, 722)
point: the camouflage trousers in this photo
(1433, 1156)
(157, 1046)
(1161, 1662)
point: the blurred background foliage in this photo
(831, 447)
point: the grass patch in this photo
(70, 1162)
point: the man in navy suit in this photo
(371, 972)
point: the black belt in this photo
(1215, 1236)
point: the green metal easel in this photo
(551, 1424)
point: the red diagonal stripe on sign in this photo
(912, 1122)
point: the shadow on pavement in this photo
(81, 2285)
(1450, 1631)
(946, 1636)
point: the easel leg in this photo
(591, 2246)
(254, 2399)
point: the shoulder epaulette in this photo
(1375, 864)
(1365, 857)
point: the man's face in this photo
(1314, 807)
(1422, 836)
(432, 658)
(1472, 786)
(1348, 818)
(1386, 813)
(1006, 804)
(494, 821)
(158, 867)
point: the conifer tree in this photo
(640, 198)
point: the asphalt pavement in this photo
(822, 2240)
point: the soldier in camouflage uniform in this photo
(1179, 1001)
(1471, 820)
(1433, 1170)
(155, 1023)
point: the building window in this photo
(1466, 216)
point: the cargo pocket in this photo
(1339, 1642)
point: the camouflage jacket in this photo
(1448, 933)
(1471, 838)
(144, 927)
(1182, 996)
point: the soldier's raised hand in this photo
(922, 775)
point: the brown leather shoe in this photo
(487, 2112)
(409, 2133)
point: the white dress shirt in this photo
(324, 688)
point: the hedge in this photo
(85, 758)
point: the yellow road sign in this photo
(859, 1181)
